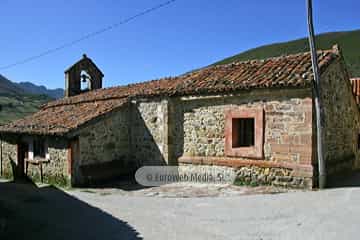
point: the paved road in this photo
(330, 214)
(48, 213)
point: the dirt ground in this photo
(178, 211)
(181, 190)
(30, 211)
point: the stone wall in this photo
(197, 134)
(149, 132)
(105, 143)
(282, 177)
(341, 121)
(9, 153)
(287, 133)
(55, 171)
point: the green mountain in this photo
(41, 90)
(16, 103)
(348, 41)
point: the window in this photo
(244, 129)
(243, 132)
(39, 148)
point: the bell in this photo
(83, 78)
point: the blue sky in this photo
(182, 36)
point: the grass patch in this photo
(59, 181)
(7, 175)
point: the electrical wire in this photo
(87, 36)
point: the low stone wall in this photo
(257, 172)
(283, 177)
(254, 176)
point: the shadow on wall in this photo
(145, 149)
(146, 139)
(29, 212)
(351, 179)
(176, 131)
(18, 174)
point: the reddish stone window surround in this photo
(255, 151)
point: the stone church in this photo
(255, 117)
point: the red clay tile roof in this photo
(287, 71)
(64, 115)
(62, 119)
(355, 83)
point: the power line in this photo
(87, 36)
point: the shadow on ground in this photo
(29, 212)
(351, 179)
(126, 183)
